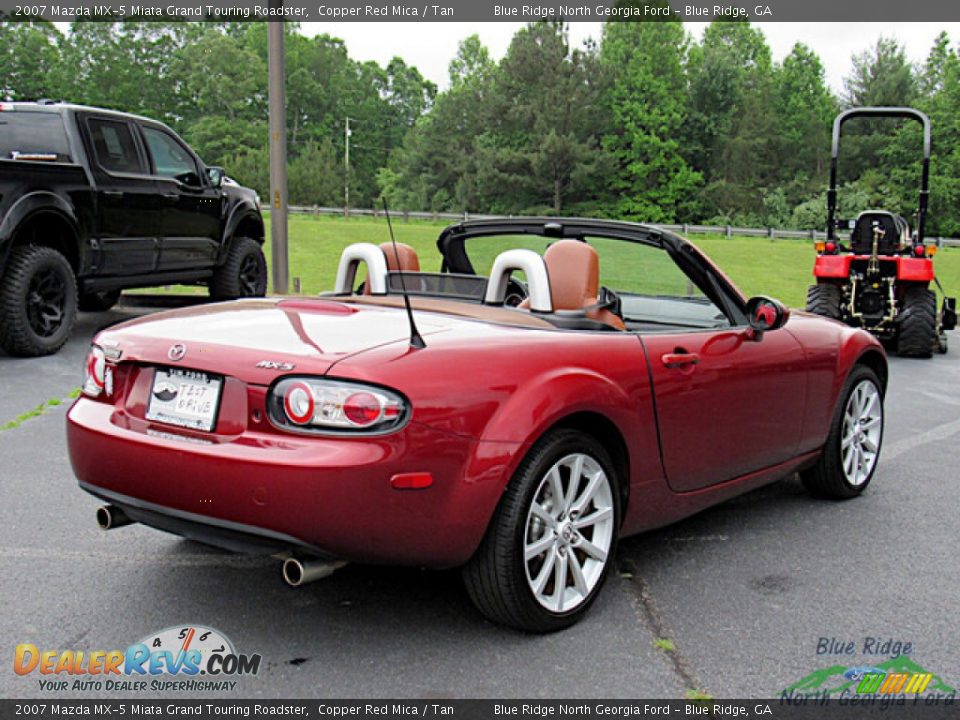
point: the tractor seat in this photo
(574, 271)
(892, 230)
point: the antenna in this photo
(416, 341)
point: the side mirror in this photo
(766, 314)
(216, 175)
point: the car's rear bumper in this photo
(264, 492)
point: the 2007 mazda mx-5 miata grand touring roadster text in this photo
(532, 418)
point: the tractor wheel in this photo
(918, 323)
(824, 299)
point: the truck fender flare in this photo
(30, 205)
(238, 214)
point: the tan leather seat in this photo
(404, 258)
(574, 270)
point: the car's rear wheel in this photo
(38, 301)
(825, 299)
(99, 301)
(243, 274)
(918, 323)
(849, 458)
(552, 539)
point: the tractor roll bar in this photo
(885, 112)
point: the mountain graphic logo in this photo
(896, 675)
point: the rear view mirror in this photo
(215, 174)
(766, 314)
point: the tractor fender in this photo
(832, 266)
(914, 269)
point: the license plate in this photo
(187, 398)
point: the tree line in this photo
(646, 123)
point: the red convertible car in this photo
(517, 419)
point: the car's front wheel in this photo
(849, 458)
(552, 539)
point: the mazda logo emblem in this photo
(176, 352)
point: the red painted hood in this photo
(233, 337)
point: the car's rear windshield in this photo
(33, 136)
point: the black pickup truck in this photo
(93, 202)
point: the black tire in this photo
(918, 323)
(827, 478)
(496, 577)
(38, 302)
(243, 274)
(99, 301)
(825, 299)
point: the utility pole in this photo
(346, 168)
(278, 154)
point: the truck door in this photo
(192, 207)
(128, 206)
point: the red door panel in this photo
(726, 405)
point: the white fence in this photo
(727, 230)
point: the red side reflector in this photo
(411, 481)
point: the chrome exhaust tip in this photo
(297, 572)
(110, 517)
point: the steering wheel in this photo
(516, 293)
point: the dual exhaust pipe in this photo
(296, 571)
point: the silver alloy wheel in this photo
(862, 432)
(568, 533)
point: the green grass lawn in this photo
(781, 268)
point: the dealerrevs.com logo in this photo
(184, 657)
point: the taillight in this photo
(95, 373)
(321, 405)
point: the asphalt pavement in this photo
(743, 593)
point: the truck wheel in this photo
(849, 457)
(824, 299)
(99, 301)
(38, 302)
(552, 539)
(918, 323)
(244, 274)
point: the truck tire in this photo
(38, 302)
(244, 274)
(918, 323)
(824, 299)
(99, 301)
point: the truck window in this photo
(170, 158)
(35, 136)
(114, 146)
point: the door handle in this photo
(679, 358)
(113, 193)
(171, 196)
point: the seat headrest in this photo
(403, 258)
(574, 269)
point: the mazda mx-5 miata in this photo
(516, 420)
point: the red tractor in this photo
(880, 281)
